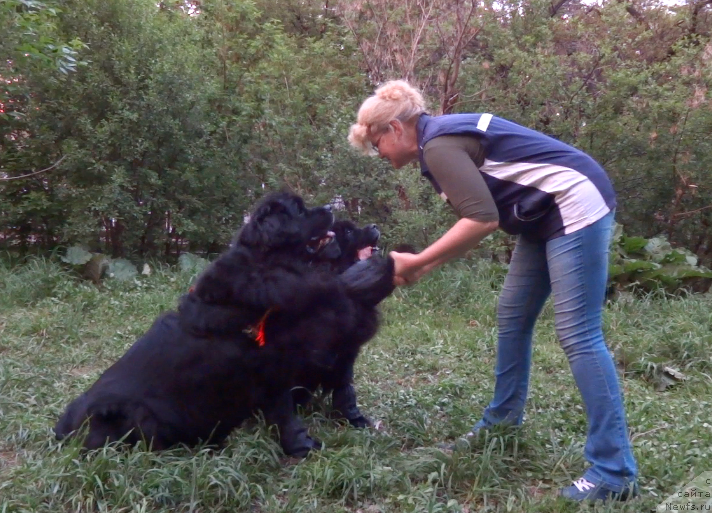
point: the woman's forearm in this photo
(463, 236)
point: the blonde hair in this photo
(396, 99)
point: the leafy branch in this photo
(8, 178)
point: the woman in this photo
(560, 203)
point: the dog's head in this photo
(281, 222)
(354, 244)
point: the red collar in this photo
(257, 331)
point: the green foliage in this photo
(150, 139)
(185, 113)
(76, 256)
(190, 263)
(650, 264)
(95, 266)
(122, 269)
(632, 93)
(30, 44)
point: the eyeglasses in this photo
(375, 145)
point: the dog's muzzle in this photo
(373, 235)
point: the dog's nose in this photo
(372, 227)
(327, 207)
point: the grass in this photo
(425, 378)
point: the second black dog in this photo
(355, 245)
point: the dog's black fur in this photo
(351, 239)
(337, 379)
(198, 373)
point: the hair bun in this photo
(358, 134)
(401, 91)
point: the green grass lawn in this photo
(425, 379)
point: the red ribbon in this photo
(257, 331)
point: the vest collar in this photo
(420, 130)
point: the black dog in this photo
(355, 244)
(256, 317)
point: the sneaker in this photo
(584, 490)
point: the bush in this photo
(641, 264)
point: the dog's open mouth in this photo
(366, 252)
(316, 244)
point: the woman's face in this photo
(398, 144)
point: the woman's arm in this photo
(452, 161)
(464, 235)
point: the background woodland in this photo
(148, 130)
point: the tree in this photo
(422, 41)
(30, 42)
(186, 112)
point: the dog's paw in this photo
(361, 422)
(369, 281)
(307, 445)
(345, 407)
(316, 444)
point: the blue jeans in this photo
(575, 268)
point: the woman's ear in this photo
(397, 127)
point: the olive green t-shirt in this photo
(453, 161)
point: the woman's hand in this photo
(408, 268)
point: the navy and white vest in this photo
(543, 188)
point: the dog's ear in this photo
(252, 234)
(270, 226)
(259, 233)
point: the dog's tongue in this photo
(365, 253)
